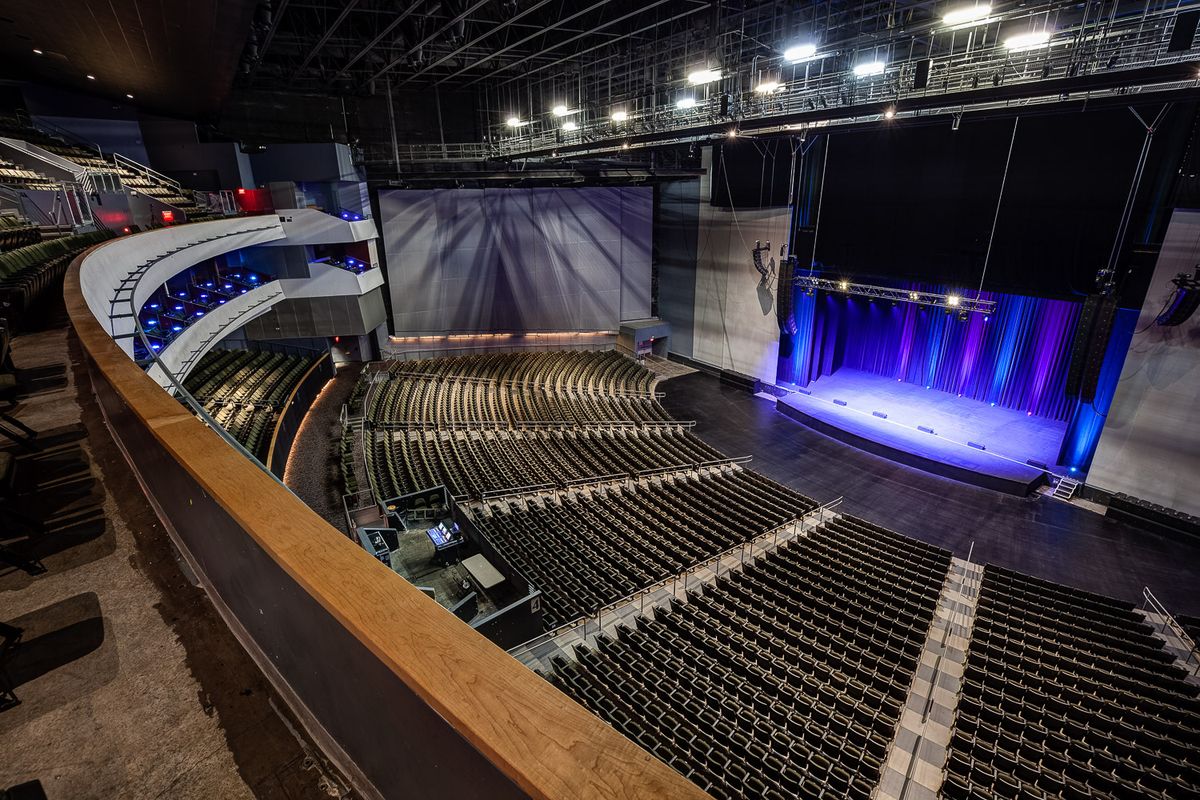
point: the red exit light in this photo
(168, 216)
(241, 190)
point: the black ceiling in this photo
(176, 57)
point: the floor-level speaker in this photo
(785, 310)
(1097, 346)
(1184, 302)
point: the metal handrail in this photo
(124, 161)
(1169, 622)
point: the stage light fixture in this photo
(685, 103)
(889, 113)
(953, 300)
(129, 95)
(913, 296)
(36, 51)
(91, 77)
(844, 285)
(619, 116)
(569, 126)
(768, 87)
(963, 315)
(625, 145)
(733, 133)
(560, 110)
(1027, 41)
(702, 76)
(513, 122)
(967, 14)
(800, 52)
(869, 69)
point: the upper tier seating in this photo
(597, 547)
(1069, 694)
(245, 390)
(17, 176)
(785, 679)
(27, 272)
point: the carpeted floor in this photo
(1036, 535)
(130, 683)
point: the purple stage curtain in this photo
(1016, 358)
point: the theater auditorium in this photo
(488, 399)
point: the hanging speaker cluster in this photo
(1088, 346)
(1184, 302)
(785, 286)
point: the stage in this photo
(1009, 437)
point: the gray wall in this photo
(328, 161)
(676, 237)
(305, 317)
(517, 259)
(175, 150)
(734, 325)
(1150, 447)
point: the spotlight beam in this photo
(933, 299)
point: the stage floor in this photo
(1010, 437)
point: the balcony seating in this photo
(1068, 693)
(784, 679)
(27, 272)
(245, 391)
(20, 177)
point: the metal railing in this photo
(123, 162)
(1169, 622)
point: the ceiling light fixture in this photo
(514, 122)
(619, 116)
(702, 76)
(685, 103)
(869, 68)
(129, 95)
(570, 126)
(37, 51)
(800, 52)
(965, 14)
(1028, 41)
(91, 77)
(768, 87)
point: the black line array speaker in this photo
(1183, 32)
(921, 76)
(725, 99)
(1097, 346)
(1079, 345)
(785, 311)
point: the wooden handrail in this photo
(544, 742)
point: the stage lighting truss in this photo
(950, 302)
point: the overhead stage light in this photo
(702, 76)
(843, 285)
(952, 300)
(1028, 41)
(514, 122)
(800, 52)
(569, 126)
(37, 51)
(768, 87)
(684, 103)
(619, 116)
(868, 69)
(889, 113)
(91, 77)
(964, 14)
(560, 110)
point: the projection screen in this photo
(512, 260)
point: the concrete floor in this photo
(131, 685)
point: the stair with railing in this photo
(1065, 488)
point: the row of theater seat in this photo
(16, 232)
(596, 547)
(469, 463)
(244, 391)
(27, 272)
(1069, 694)
(785, 679)
(595, 372)
(451, 400)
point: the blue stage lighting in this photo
(229, 286)
(179, 308)
(220, 302)
(253, 278)
(199, 313)
(176, 327)
(156, 347)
